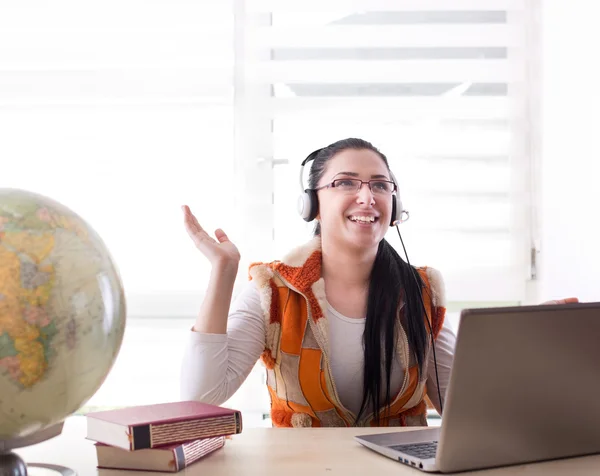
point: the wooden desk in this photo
(280, 452)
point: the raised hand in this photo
(220, 251)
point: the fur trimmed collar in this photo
(298, 256)
(302, 266)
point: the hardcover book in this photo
(170, 458)
(151, 426)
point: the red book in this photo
(150, 426)
(170, 458)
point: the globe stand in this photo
(11, 464)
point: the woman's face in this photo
(356, 218)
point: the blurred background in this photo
(124, 110)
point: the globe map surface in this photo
(62, 313)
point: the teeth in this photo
(363, 219)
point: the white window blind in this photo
(440, 87)
(123, 111)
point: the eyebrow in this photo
(354, 174)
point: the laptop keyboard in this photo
(418, 450)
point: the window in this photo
(441, 88)
(123, 111)
(438, 87)
(127, 109)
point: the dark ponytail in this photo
(391, 280)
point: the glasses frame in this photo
(368, 182)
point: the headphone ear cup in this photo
(397, 210)
(308, 205)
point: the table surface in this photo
(277, 451)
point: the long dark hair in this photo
(391, 279)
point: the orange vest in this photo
(299, 378)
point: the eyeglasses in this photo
(377, 187)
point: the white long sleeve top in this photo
(215, 365)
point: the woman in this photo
(343, 325)
(339, 323)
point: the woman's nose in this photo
(365, 195)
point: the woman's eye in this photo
(381, 186)
(344, 183)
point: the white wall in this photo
(570, 238)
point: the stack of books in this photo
(163, 437)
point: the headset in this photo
(308, 208)
(308, 203)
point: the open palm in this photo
(219, 250)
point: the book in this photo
(169, 458)
(150, 426)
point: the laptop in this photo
(523, 387)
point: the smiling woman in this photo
(342, 199)
(343, 325)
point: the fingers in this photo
(221, 236)
(190, 220)
(568, 300)
(220, 250)
(197, 232)
(193, 228)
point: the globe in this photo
(62, 314)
